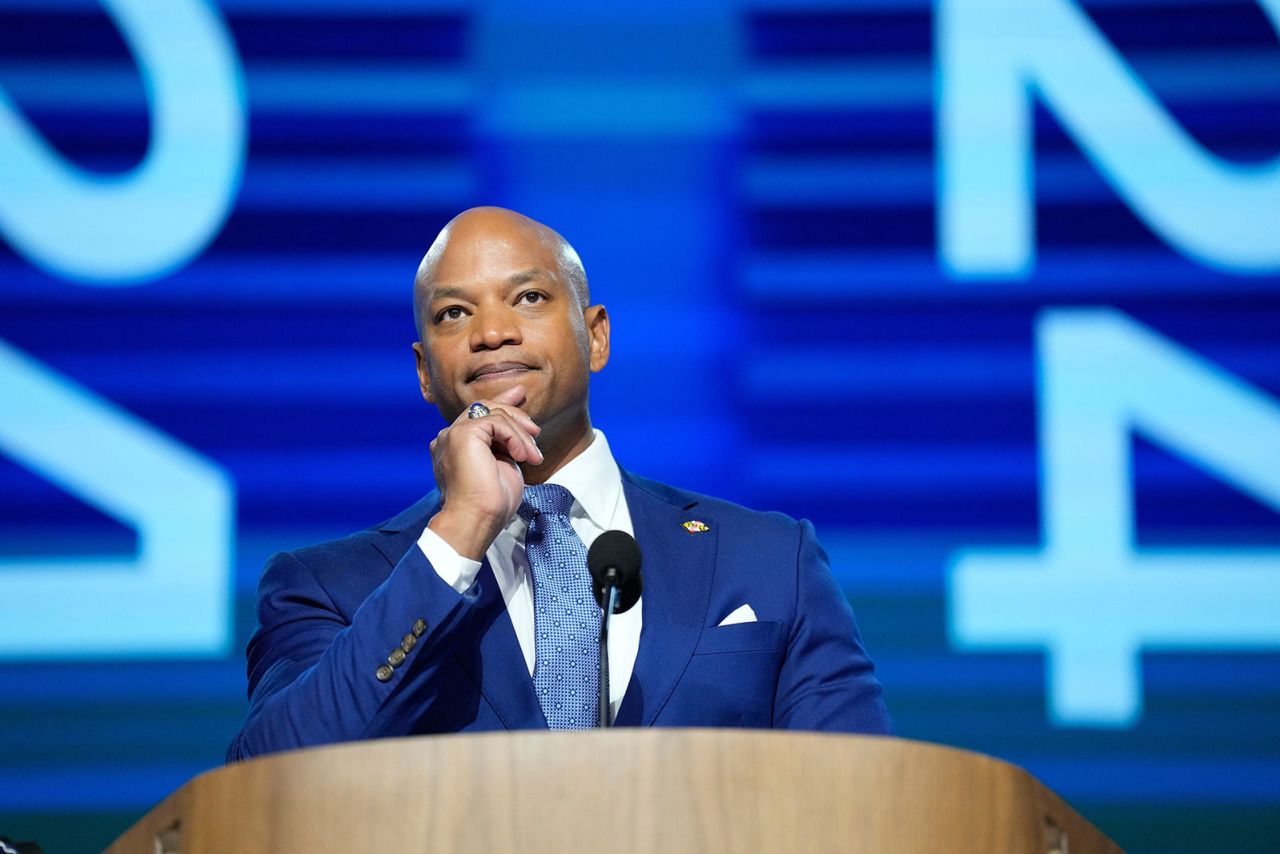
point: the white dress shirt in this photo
(598, 506)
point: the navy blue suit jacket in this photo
(329, 615)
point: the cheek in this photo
(573, 362)
(442, 376)
(440, 355)
(575, 341)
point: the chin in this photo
(489, 389)
(496, 386)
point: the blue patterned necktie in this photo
(566, 618)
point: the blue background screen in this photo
(987, 289)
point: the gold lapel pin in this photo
(693, 526)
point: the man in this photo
(471, 609)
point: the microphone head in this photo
(617, 551)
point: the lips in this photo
(498, 370)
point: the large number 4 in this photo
(1089, 597)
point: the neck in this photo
(558, 448)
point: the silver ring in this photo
(477, 410)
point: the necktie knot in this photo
(548, 498)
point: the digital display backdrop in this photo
(988, 289)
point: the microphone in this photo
(614, 559)
(614, 563)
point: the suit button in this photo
(408, 642)
(419, 628)
(384, 673)
(396, 658)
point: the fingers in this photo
(510, 434)
(509, 401)
(513, 396)
(507, 428)
(518, 415)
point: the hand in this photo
(477, 469)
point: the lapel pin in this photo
(693, 526)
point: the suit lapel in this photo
(677, 569)
(498, 669)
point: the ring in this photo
(477, 410)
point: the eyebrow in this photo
(526, 276)
(447, 293)
(513, 281)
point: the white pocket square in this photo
(742, 614)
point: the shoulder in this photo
(743, 521)
(330, 552)
(407, 523)
(351, 565)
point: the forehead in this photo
(495, 255)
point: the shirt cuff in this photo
(454, 570)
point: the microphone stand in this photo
(611, 602)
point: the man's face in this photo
(497, 313)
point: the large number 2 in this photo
(174, 596)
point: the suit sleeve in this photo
(314, 675)
(827, 681)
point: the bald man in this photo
(471, 609)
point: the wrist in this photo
(469, 534)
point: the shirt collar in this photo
(595, 482)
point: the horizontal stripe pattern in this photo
(824, 364)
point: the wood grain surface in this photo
(654, 790)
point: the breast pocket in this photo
(741, 637)
(732, 677)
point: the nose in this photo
(496, 325)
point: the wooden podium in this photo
(634, 790)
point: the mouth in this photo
(499, 371)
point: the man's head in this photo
(500, 301)
(568, 264)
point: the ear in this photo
(597, 321)
(424, 378)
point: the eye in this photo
(532, 297)
(453, 312)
